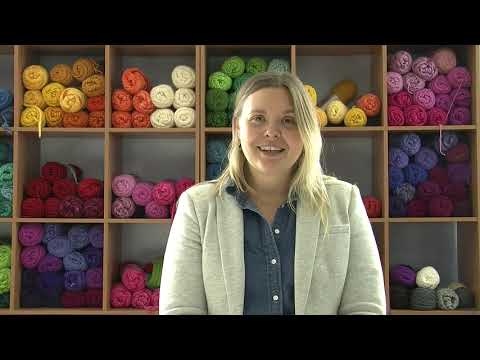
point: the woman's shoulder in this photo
(202, 191)
(337, 188)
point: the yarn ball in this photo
(78, 236)
(31, 234)
(184, 117)
(75, 261)
(93, 208)
(428, 189)
(405, 191)
(95, 236)
(163, 193)
(355, 117)
(440, 85)
(94, 278)
(428, 278)
(64, 188)
(61, 73)
(50, 263)
(34, 77)
(182, 185)
(456, 192)
(423, 299)
(397, 157)
(412, 83)
(220, 80)
(256, 65)
(217, 100)
(96, 119)
(32, 116)
(96, 103)
(6, 190)
(436, 116)
(399, 297)
(424, 97)
(403, 275)
(336, 111)
(54, 116)
(395, 177)
(444, 59)
(233, 67)
(53, 230)
(70, 299)
(93, 298)
(426, 158)
(142, 193)
(33, 208)
(134, 80)
(34, 97)
(51, 93)
(52, 171)
(213, 170)
(417, 208)
(4, 280)
(31, 256)
(5, 256)
(373, 206)
(121, 119)
(120, 296)
(122, 100)
(216, 150)
(397, 207)
(94, 85)
(183, 76)
(140, 120)
(77, 119)
(443, 101)
(415, 115)
(123, 185)
(458, 153)
(93, 256)
(239, 81)
(460, 116)
(141, 299)
(72, 100)
(142, 102)
(82, 68)
(311, 92)
(71, 207)
(466, 297)
(90, 188)
(162, 96)
(396, 117)
(6, 116)
(153, 210)
(401, 62)
(459, 173)
(217, 119)
(415, 174)
(459, 76)
(278, 65)
(440, 206)
(123, 207)
(231, 101)
(425, 68)
(321, 117)
(39, 188)
(184, 98)
(370, 104)
(162, 118)
(75, 280)
(394, 82)
(6, 172)
(449, 140)
(447, 299)
(133, 277)
(402, 99)
(462, 97)
(6, 208)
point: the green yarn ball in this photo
(234, 66)
(219, 80)
(5, 208)
(6, 190)
(6, 172)
(217, 119)
(5, 256)
(238, 82)
(217, 100)
(229, 118)
(278, 65)
(256, 65)
(231, 101)
(5, 300)
(4, 280)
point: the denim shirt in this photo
(269, 254)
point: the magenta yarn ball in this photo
(459, 77)
(394, 82)
(425, 98)
(440, 85)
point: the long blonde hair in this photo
(307, 182)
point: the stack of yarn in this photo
(428, 90)
(224, 83)
(6, 179)
(429, 175)
(6, 108)
(139, 287)
(65, 96)
(62, 265)
(217, 148)
(137, 105)
(373, 206)
(139, 198)
(60, 192)
(5, 264)
(419, 290)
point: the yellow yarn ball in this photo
(355, 117)
(336, 111)
(31, 116)
(34, 77)
(34, 97)
(51, 93)
(54, 116)
(72, 100)
(311, 93)
(61, 73)
(83, 68)
(321, 117)
(94, 85)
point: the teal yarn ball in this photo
(278, 65)
(239, 81)
(5, 208)
(5, 300)
(231, 101)
(256, 65)
(219, 80)
(6, 190)
(216, 151)
(6, 172)
(217, 100)
(234, 66)
(4, 152)
(217, 119)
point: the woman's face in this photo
(268, 132)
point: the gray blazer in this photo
(204, 271)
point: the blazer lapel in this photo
(230, 237)
(306, 240)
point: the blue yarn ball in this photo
(410, 143)
(395, 177)
(405, 191)
(75, 261)
(415, 174)
(52, 231)
(216, 151)
(6, 98)
(213, 171)
(426, 158)
(397, 157)
(397, 206)
(449, 140)
(6, 117)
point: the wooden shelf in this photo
(62, 131)
(432, 128)
(140, 221)
(432, 219)
(59, 311)
(5, 220)
(5, 311)
(377, 220)
(131, 312)
(155, 131)
(435, 312)
(219, 130)
(60, 220)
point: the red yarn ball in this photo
(38, 188)
(373, 206)
(33, 208)
(52, 171)
(417, 208)
(90, 188)
(52, 204)
(93, 297)
(71, 207)
(93, 208)
(64, 188)
(73, 299)
(440, 206)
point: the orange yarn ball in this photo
(121, 119)
(77, 119)
(96, 119)
(370, 104)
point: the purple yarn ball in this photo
(75, 261)
(397, 157)
(449, 140)
(394, 82)
(415, 174)
(459, 77)
(59, 246)
(78, 236)
(460, 115)
(94, 278)
(401, 62)
(426, 158)
(440, 85)
(50, 263)
(93, 256)
(395, 177)
(459, 173)
(403, 275)
(53, 230)
(425, 68)
(443, 101)
(95, 236)
(75, 280)
(462, 97)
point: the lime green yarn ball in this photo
(6, 254)
(239, 81)
(278, 65)
(256, 65)
(217, 119)
(234, 66)
(4, 280)
(219, 80)
(217, 100)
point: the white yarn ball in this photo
(162, 118)
(185, 117)
(184, 98)
(162, 96)
(183, 76)
(428, 278)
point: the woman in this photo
(272, 235)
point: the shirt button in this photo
(274, 261)
(277, 231)
(275, 297)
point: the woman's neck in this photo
(268, 189)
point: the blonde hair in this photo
(307, 182)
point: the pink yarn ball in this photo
(133, 277)
(31, 256)
(415, 115)
(460, 115)
(142, 193)
(445, 60)
(164, 193)
(183, 184)
(120, 296)
(123, 185)
(31, 234)
(412, 82)
(425, 98)
(153, 210)
(459, 77)
(443, 101)
(123, 207)
(396, 117)
(436, 116)
(440, 85)
(401, 62)
(401, 99)
(394, 82)
(425, 68)
(462, 97)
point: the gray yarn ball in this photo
(423, 299)
(447, 299)
(465, 297)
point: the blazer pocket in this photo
(338, 229)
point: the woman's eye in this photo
(289, 122)
(257, 118)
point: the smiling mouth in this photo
(270, 149)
